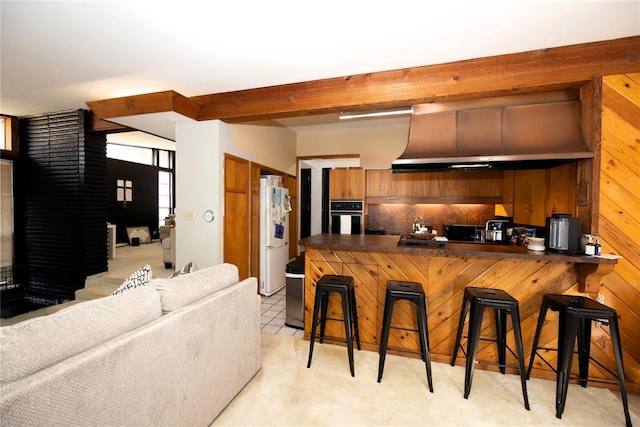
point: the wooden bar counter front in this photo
(444, 272)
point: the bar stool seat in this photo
(476, 300)
(576, 313)
(410, 291)
(342, 285)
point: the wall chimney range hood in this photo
(530, 131)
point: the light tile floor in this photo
(273, 309)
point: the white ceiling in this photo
(56, 55)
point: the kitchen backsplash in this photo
(398, 218)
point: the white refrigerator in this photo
(274, 236)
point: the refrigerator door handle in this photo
(279, 246)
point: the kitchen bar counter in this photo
(443, 272)
(389, 243)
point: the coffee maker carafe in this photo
(563, 233)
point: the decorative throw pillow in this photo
(140, 277)
(188, 268)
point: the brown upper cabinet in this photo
(347, 184)
(529, 195)
(383, 186)
(537, 194)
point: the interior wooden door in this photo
(292, 185)
(236, 213)
(254, 257)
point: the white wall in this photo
(270, 146)
(200, 149)
(378, 146)
(199, 181)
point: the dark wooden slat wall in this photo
(63, 190)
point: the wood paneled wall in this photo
(619, 212)
(444, 279)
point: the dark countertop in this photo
(389, 243)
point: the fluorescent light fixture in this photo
(471, 166)
(381, 113)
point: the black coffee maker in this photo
(563, 233)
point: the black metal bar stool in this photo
(478, 299)
(342, 285)
(575, 316)
(411, 291)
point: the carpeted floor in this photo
(286, 393)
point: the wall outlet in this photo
(190, 215)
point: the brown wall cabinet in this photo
(537, 194)
(383, 186)
(347, 184)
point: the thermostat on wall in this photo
(208, 215)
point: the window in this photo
(130, 154)
(165, 195)
(3, 137)
(8, 137)
(6, 213)
(164, 159)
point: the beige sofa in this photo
(174, 352)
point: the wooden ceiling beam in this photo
(534, 71)
(526, 72)
(157, 102)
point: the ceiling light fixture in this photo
(381, 113)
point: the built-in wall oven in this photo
(346, 216)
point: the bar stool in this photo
(343, 285)
(479, 299)
(575, 316)
(411, 291)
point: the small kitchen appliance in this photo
(463, 233)
(496, 230)
(563, 233)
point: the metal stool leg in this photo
(584, 348)
(348, 330)
(386, 325)
(323, 316)
(617, 350)
(475, 323)
(566, 344)
(423, 330)
(534, 348)
(517, 334)
(463, 316)
(314, 324)
(354, 307)
(501, 341)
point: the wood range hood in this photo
(539, 130)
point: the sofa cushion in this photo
(187, 288)
(140, 277)
(32, 345)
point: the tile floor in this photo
(273, 309)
